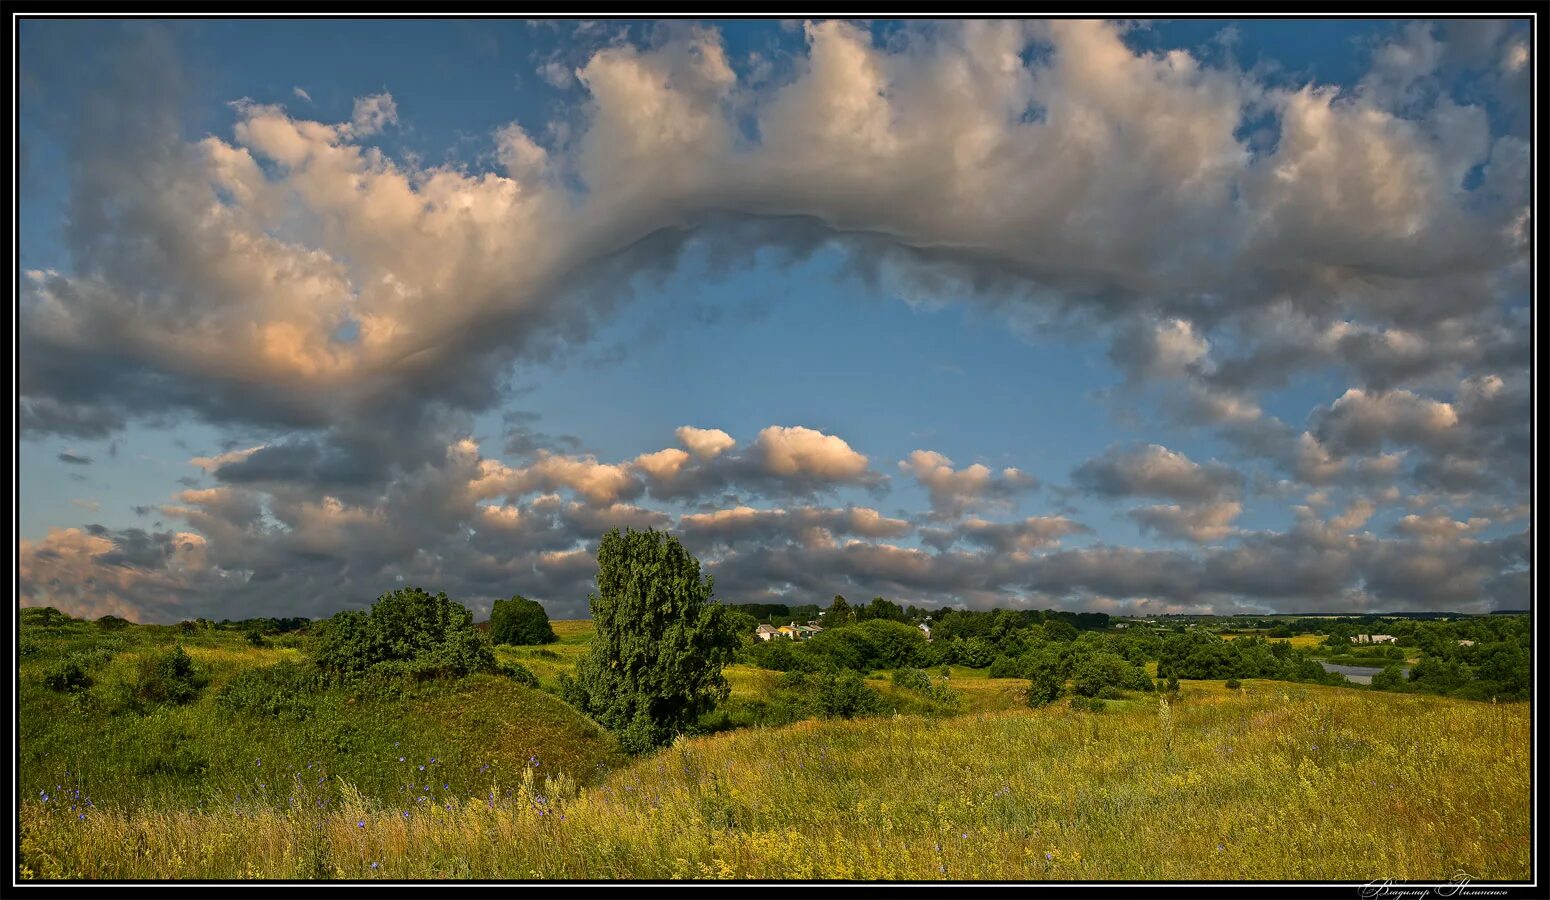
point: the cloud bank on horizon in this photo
(344, 314)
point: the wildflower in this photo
(361, 824)
(422, 768)
(964, 836)
(400, 759)
(258, 762)
(373, 865)
(81, 817)
(1218, 848)
(406, 813)
(1047, 855)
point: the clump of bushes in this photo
(406, 633)
(518, 673)
(67, 678)
(1100, 671)
(520, 621)
(112, 623)
(1087, 704)
(168, 678)
(280, 689)
(1233, 684)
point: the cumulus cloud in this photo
(952, 491)
(1200, 523)
(347, 313)
(1155, 471)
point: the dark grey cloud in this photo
(74, 459)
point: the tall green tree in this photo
(839, 613)
(655, 661)
(520, 621)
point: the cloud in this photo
(301, 94)
(1200, 523)
(954, 491)
(73, 459)
(372, 114)
(1155, 471)
(347, 312)
(706, 443)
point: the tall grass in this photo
(1272, 781)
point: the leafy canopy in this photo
(656, 657)
(407, 628)
(520, 621)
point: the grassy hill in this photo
(1273, 781)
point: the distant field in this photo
(1273, 781)
(1298, 641)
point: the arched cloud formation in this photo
(1226, 232)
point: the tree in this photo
(839, 613)
(881, 608)
(1047, 678)
(655, 661)
(520, 621)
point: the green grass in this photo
(1271, 781)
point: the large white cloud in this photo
(1227, 232)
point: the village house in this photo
(1374, 639)
(1466, 643)
(765, 632)
(925, 628)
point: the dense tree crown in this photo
(408, 627)
(660, 643)
(520, 621)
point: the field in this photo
(1273, 780)
(1299, 641)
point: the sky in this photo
(1192, 316)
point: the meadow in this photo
(1270, 780)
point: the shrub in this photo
(1233, 684)
(974, 652)
(426, 636)
(1107, 670)
(845, 695)
(167, 678)
(1046, 677)
(256, 638)
(282, 688)
(518, 673)
(67, 678)
(1087, 704)
(112, 623)
(520, 621)
(912, 680)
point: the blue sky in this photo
(1209, 280)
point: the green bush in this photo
(280, 689)
(67, 678)
(167, 678)
(423, 636)
(112, 623)
(518, 673)
(1107, 670)
(1087, 704)
(1233, 684)
(912, 680)
(520, 621)
(256, 638)
(845, 695)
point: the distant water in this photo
(1358, 674)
